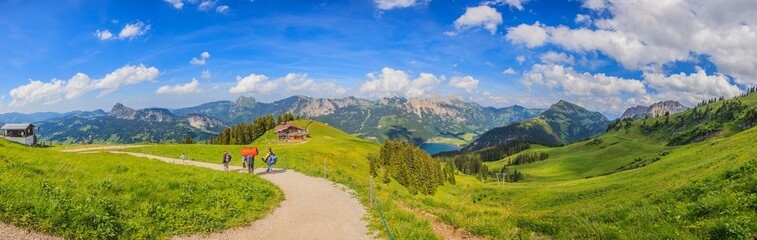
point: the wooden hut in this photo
(292, 133)
(19, 132)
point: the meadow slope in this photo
(101, 195)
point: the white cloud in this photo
(613, 94)
(222, 9)
(530, 35)
(467, 83)
(205, 74)
(389, 4)
(301, 83)
(691, 88)
(190, 87)
(201, 60)
(645, 35)
(521, 59)
(104, 34)
(509, 71)
(126, 75)
(391, 82)
(595, 4)
(552, 57)
(481, 16)
(583, 19)
(131, 31)
(517, 4)
(292, 82)
(80, 84)
(178, 4)
(254, 83)
(206, 5)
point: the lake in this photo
(434, 148)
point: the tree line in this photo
(245, 133)
(410, 167)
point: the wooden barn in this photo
(19, 132)
(292, 133)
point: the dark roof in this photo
(16, 126)
(285, 126)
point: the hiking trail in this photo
(313, 208)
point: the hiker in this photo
(244, 162)
(226, 160)
(270, 159)
(183, 158)
(251, 164)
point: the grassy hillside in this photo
(598, 188)
(561, 123)
(100, 195)
(346, 162)
(626, 184)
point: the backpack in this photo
(272, 159)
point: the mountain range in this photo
(415, 119)
(561, 123)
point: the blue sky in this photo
(603, 54)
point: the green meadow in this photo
(587, 190)
(115, 196)
(624, 184)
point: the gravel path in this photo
(313, 208)
(12, 232)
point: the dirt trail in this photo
(313, 208)
(8, 231)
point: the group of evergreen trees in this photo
(528, 158)
(513, 176)
(245, 133)
(472, 163)
(410, 167)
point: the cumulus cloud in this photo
(254, 83)
(390, 4)
(481, 16)
(206, 5)
(132, 30)
(613, 94)
(390, 82)
(691, 88)
(467, 83)
(509, 71)
(552, 57)
(190, 87)
(292, 83)
(645, 35)
(222, 9)
(104, 34)
(201, 60)
(129, 31)
(582, 19)
(301, 83)
(521, 59)
(206, 74)
(517, 4)
(80, 84)
(178, 4)
(530, 35)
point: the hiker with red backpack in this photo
(250, 154)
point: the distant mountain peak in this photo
(654, 110)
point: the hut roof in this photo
(286, 126)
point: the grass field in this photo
(695, 191)
(101, 195)
(345, 157)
